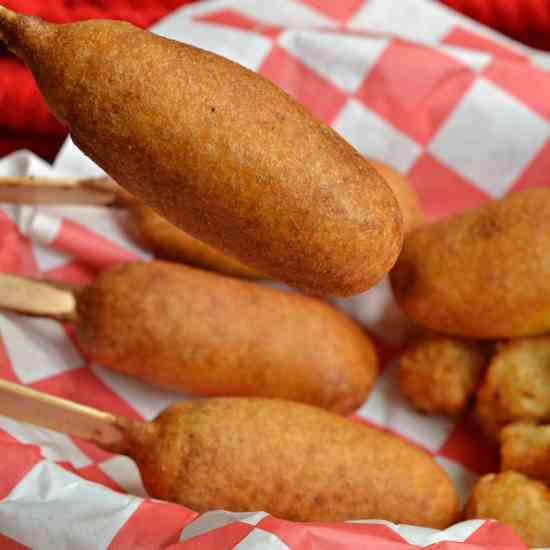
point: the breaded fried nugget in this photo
(516, 500)
(439, 375)
(526, 448)
(516, 386)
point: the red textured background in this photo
(24, 118)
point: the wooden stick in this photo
(37, 298)
(31, 190)
(41, 409)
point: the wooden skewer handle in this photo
(31, 190)
(48, 411)
(33, 297)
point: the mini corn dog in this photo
(198, 332)
(168, 242)
(217, 150)
(481, 274)
(291, 460)
(156, 233)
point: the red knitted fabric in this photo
(139, 12)
(525, 20)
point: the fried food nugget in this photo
(516, 386)
(516, 500)
(439, 375)
(526, 448)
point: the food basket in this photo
(461, 110)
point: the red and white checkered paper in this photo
(461, 110)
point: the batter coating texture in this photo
(198, 332)
(171, 243)
(440, 375)
(482, 274)
(294, 461)
(516, 500)
(516, 386)
(526, 448)
(407, 198)
(218, 150)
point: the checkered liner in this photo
(463, 111)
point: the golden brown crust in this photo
(199, 332)
(440, 375)
(516, 386)
(220, 152)
(293, 461)
(407, 198)
(516, 500)
(526, 448)
(171, 243)
(482, 274)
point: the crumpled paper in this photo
(460, 109)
